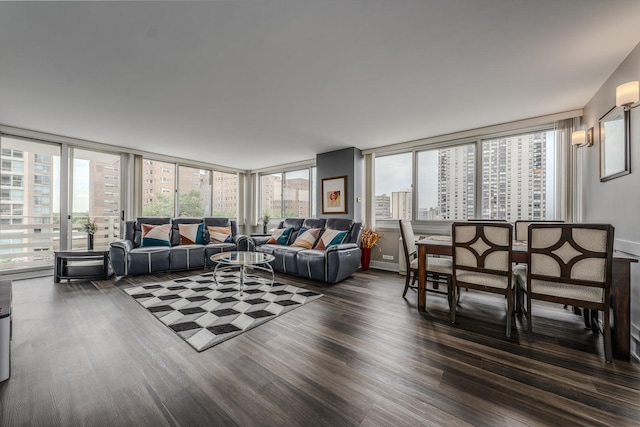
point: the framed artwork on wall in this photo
(614, 144)
(334, 195)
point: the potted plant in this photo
(265, 222)
(370, 238)
(90, 227)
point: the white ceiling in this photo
(253, 84)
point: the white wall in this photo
(617, 201)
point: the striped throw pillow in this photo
(306, 238)
(220, 234)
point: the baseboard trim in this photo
(386, 266)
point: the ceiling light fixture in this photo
(628, 95)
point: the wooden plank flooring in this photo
(85, 353)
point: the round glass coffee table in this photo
(227, 261)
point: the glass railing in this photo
(30, 245)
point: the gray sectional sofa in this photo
(330, 265)
(129, 257)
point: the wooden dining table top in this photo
(442, 245)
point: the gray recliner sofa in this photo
(129, 258)
(331, 265)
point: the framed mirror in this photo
(614, 144)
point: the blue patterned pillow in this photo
(155, 235)
(330, 238)
(191, 234)
(280, 236)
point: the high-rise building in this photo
(514, 177)
(225, 194)
(383, 206)
(456, 178)
(296, 198)
(401, 204)
(104, 186)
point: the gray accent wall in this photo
(616, 202)
(347, 162)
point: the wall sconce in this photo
(582, 138)
(627, 95)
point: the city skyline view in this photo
(517, 172)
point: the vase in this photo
(264, 229)
(365, 258)
(89, 241)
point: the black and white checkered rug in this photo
(205, 313)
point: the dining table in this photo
(620, 286)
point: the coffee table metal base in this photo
(228, 261)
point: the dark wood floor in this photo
(87, 354)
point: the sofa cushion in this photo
(294, 223)
(148, 260)
(306, 238)
(155, 235)
(185, 257)
(314, 223)
(280, 236)
(330, 238)
(220, 234)
(191, 234)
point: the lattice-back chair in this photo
(482, 260)
(569, 264)
(521, 227)
(438, 268)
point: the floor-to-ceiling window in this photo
(200, 192)
(508, 177)
(296, 193)
(30, 203)
(446, 183)
(271, 195)
(287, 194)
(158, 188)
(519, 176)
(194, 192)
(225, 194)
(393, 188)
(95, 197)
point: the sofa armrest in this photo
(342, 261)
(118, 252)
(125, 245)
(260, 240)
(342, 247)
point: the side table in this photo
(85, 265)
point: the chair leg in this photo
(518, 297)
(587, 318)
(594, 322)
(450, 293)
(529, 316)
(453, 306)
(510, 298)
(406, 283)
(608, 354)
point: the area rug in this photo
(205, 313)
